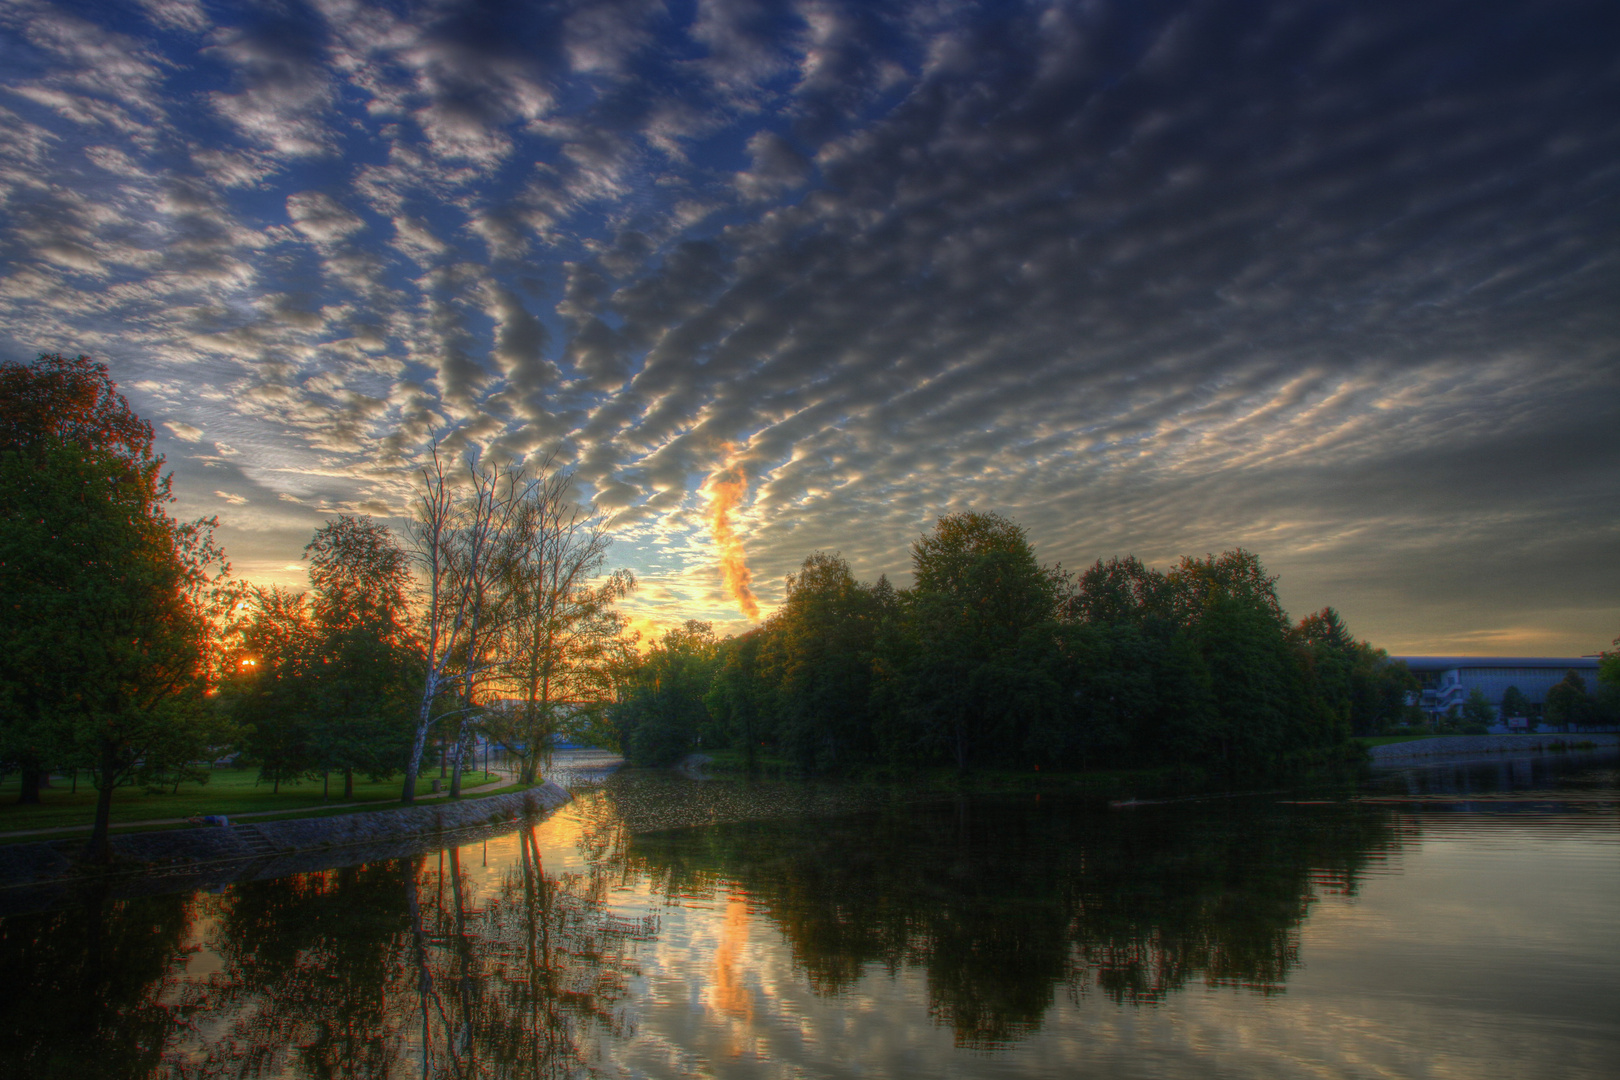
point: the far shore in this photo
(1452, 746)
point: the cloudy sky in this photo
(1336, 282)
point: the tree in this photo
(1609, 667)
(1477, 713)
(365, 659)
(1514, 703)
(271, 690)
(557, 637)
(662, 712)
(977, 589)
(1265, 709)
(458, 539)
(110, 600)
(741, 699)
(1364, 689)
(1568, 705)
(1119, 590)
(58, 401)
(818, 654)
(109, 643)
(51, 404)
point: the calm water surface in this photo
(1446, 922)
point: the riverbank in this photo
(1452, 746)
(42, 874)
(231, 793)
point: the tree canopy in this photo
(993, 660)
(106, 650)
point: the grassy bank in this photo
(228, 792)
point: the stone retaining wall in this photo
(1471, 745)
(40, 875)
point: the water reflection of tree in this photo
(308, 972)
(410, 968)
(1004, 906)
(88, 983)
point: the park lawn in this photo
(231, 792)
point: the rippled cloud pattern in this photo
(1337, 281)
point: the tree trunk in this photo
(456, 760)
(424, 717)
(32, 777)
(100, 848)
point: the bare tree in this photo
(458, 538)
(560, 619)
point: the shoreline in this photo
(1453, 746)
(43, 874)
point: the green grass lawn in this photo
(231, 792)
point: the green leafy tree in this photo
(558, 640)
(1477, 713)
(741, 699)
(365, 668)
(110, 601)
(271, 691)
(977, 590)
(1265, 710)
(1514, 703)
(56, 403)
(1568, 705)
(662, 711)
(818, 654)
(1360, 685)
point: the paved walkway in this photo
(384, 804)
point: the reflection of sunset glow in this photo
(731, 995)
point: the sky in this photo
(1338, 283)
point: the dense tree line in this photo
(991, 659)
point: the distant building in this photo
(1447, 680)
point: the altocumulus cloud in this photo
(1335, 282)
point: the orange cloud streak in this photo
(726, 488)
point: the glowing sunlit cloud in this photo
(726, 487)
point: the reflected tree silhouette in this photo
(1005, 905)
(91, 982)
(395, 968)
(431, 966)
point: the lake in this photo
(1451, 921)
